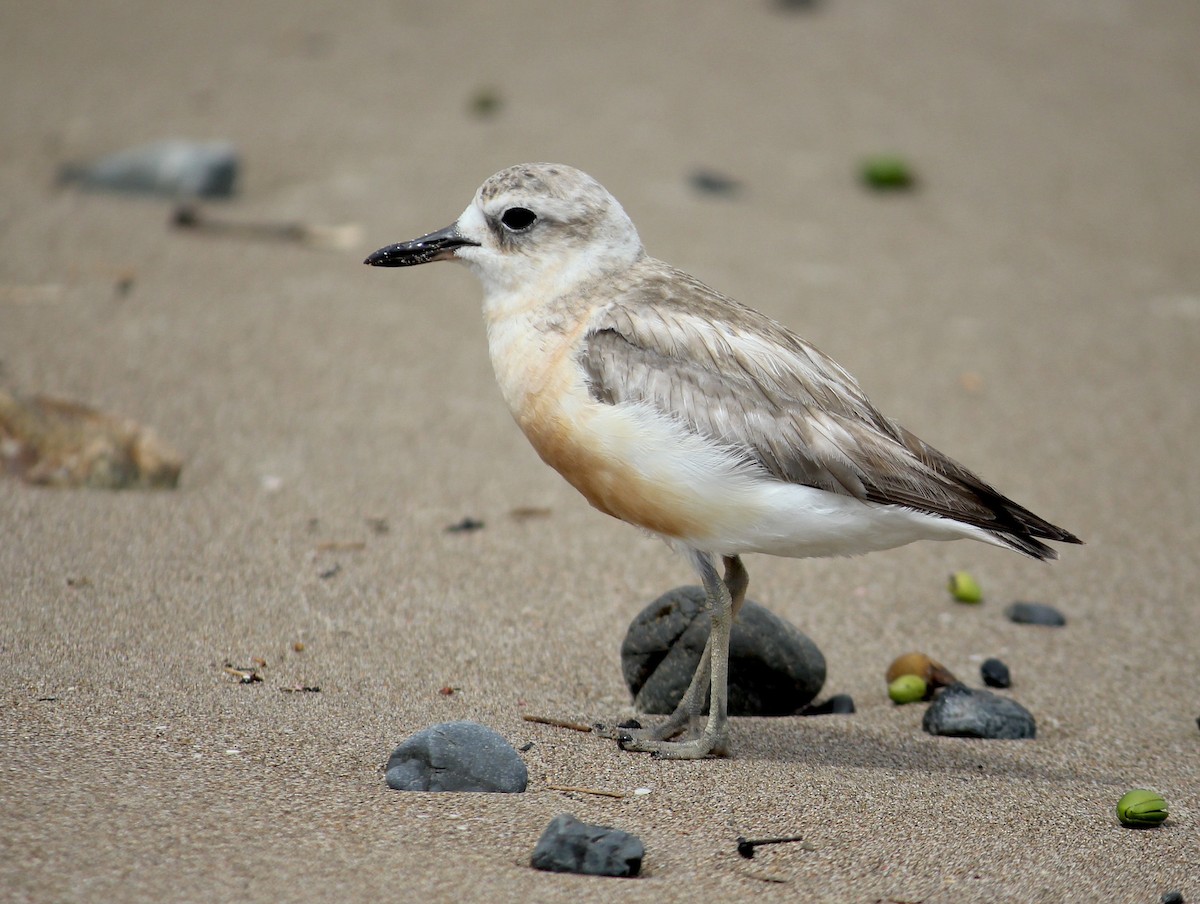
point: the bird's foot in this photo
(657, 740)
(697, 748)
(632, 728)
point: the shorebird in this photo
(681, 411)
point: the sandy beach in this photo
(1032, 309)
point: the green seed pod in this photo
(907, 689)
(964, 588)
(1141, 809)
(886, 172)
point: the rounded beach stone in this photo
(774, 669)
(1035, 614)
(995, 673)
(571, 846)
(456, 756)
(963, 712)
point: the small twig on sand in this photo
(746, 847)
(597, 791)
(557, 723)
(336, 237)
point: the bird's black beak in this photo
(437, 246)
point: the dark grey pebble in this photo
(995, 673)
(1174, 896)
(178, 169)
(465, 526)
(712, 183)
(837, 705)
(774, 669)
(456, 756)
(1035, 614)
(571, 846)
(963, 712)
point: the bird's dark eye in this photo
(518, 219)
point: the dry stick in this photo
(557, 723)
(597, 791)
(188, 217)
(746, 847)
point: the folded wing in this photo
(742, 380)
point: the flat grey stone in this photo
(964, 712)
(774, 669)
(1035, 614)
(456, 756)
(177, 169)
(571, 846)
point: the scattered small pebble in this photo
(964, 588)
(970, 381)
(1035, 614)
(341, 546)
(173, 168)
(774, 669)
(887, 172)
(995, 673)
(709, 182)
(907, 689)
(960, 711)
(570, 846)
(485, 102)
(529, 512)
(467, 525)
(837, 705)
(456, 756)
(1141, 809)
(929, 670)
(124, 283)
(248, 675)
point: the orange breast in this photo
(610, 484)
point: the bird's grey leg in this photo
(691, 705)
(737, 579)
(721, 594)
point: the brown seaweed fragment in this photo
(56, 442)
